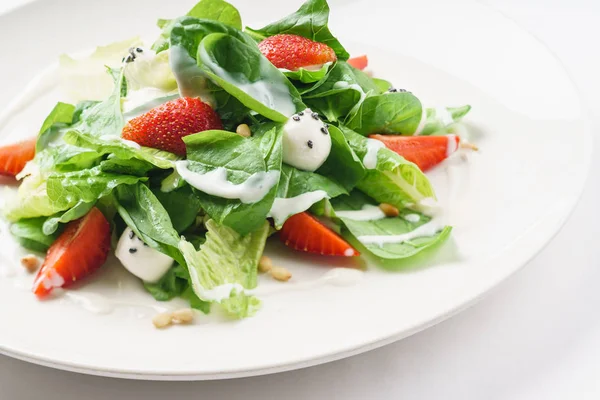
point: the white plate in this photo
(505, 203)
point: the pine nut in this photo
(467, 145)
(389, 210)
(265, 264)
(281, 274)
(243, 130)
(183, 316)
(30, 262)
(162, 320)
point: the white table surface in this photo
(535, 337)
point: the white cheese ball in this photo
(306, 141)
(140, 259)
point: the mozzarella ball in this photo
(140, 259)
(306, 141)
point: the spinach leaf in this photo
(123, 166)
(30, 235)
(106, 117)
(310, 21)
(79, 210)
(394, 113)
(227, 258)
(440, 119)
(121, 149)
(60, 117)
(182, 205)
(242, 70)
(171, 284)
(145, 215)
(342, 93)
(387, 227)
(341, 154)
(393, 180)
(241, 158)
(307, 76)
(298, 191)
(230, 109)
(216, 10)
(186, 35)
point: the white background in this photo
(535, 337)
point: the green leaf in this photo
(60, 117)
(79, 210)
(342, 93)
(439, 120)
(393, 180)
(105, 118)
(171, 285)
(307, 76)
(146, 216)
(310, 21)
(124, 166)
(353, 169)
(121, 149)
(227, 258)
(30, 235)
(298, 191)
(241, 158)
(244, 72)
(186, 35)
(387, 227)
(65, 190)
(389, 113)
(182, 205)
(215, 10)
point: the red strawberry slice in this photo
(425, 151)
(293, 51)
(359, 62)
(164, 126)
(303, 232)
(79, 251)
(14, 156)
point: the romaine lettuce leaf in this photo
(79, 210)
(387, 227)
(306, 75)
(227, 258)
(311, 21)
(59, 118)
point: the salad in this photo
(185, 155)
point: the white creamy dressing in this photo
(369, 212)
(306, 141)
(422, 122)
(414, 218)
(452, 145)
(215, 183)
(444, 116)
(370, 158)
(190, 81)
(339, 277)
(141, 260)
(283, 208)
(425, 230)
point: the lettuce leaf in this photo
(227, 258)
(29, 234)
(439, 120)
(387, 227)
(307, 76)
(311, 21)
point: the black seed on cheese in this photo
(139, 50)
(296, 118)
(324, 130)
(131, 235)
(310, 144)
(301, 113)
(132, 250)
(315, 116)
(392, 90)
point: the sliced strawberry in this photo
(14, 156)
(164, 126)
(425, 151)
(79, 251)
(303, 232)
(293, 51)
(359, 62)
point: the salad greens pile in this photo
(81, 160)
